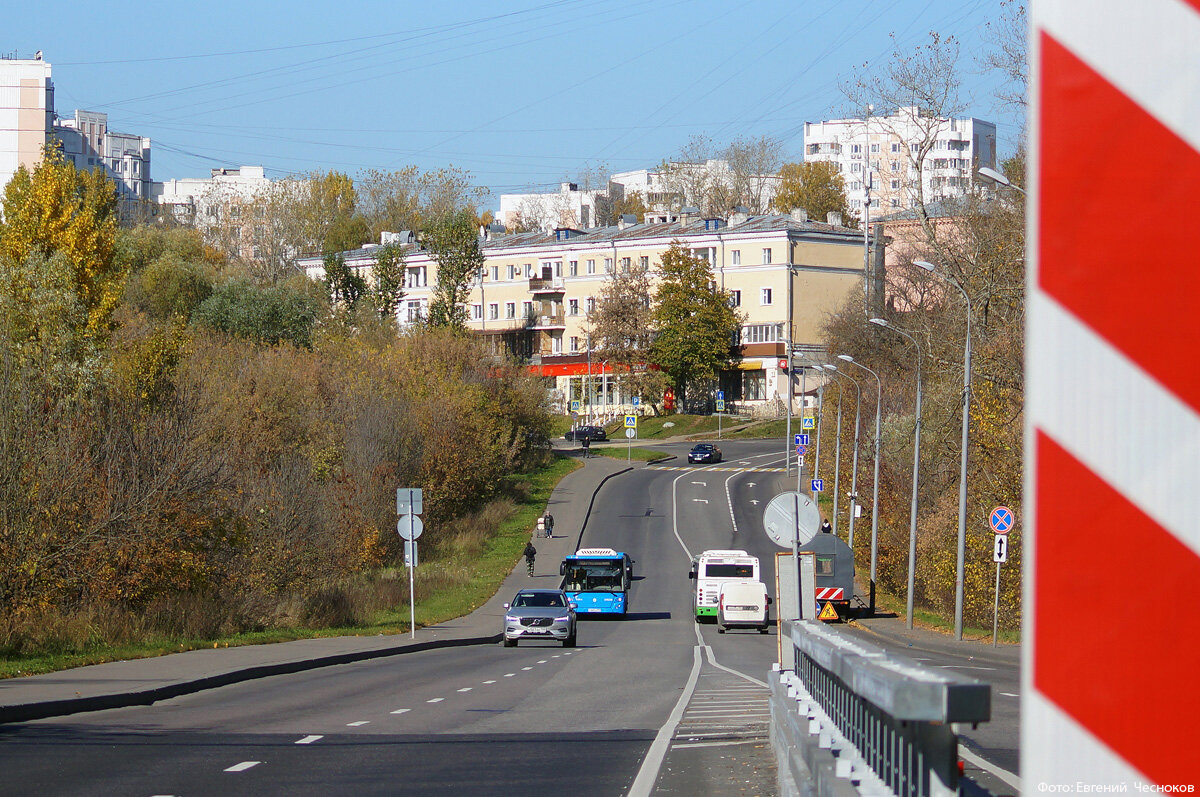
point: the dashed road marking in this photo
(356, 724)
(1009, 694)
(541, 661)
(489, 682)
(435, 700)
(402, 711)
(509, 674)
(242, 767)
(466, 689)
(721, 469)
(309, 739)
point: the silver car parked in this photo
(539, 614)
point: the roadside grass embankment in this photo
(459, 570)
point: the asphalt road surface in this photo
(652, 703)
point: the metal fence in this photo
(849, 718)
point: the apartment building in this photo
(878, 156)
(537, 289)
(26, 113)
(87, 141)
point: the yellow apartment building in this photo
(535, 291)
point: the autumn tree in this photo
(621, 331)
(715, 178)
(814, 186)
(344, 285)
(694, 321)
(409, 199)
(453, 242)
(753, 164)
(616, 202)
(55, 210)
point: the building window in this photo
(591, 267)
(895, 166)
(528, 270)
(574, 344)
(493, 311)
(512, 272)
(608, 264)
(573, 268)
(573, 305)
(527, 309)
(855, 149)
(754, 385)
(591, 304)
(895, 203)
(895, 184)
(644, 262)
(762, 333)
(856, 168)
(414, 311)
(735, 298)
(766, 256)
(476, 312)
(558, 268)
(625, 264)
(874, 149)
(510, 309)
(495, 273)
(737, 257)
(765, 296)
(895, 147)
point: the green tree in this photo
(694, 321)
(343, 284)
(56, 209)
(814, 186)
(271, 314)
(453, 241)
(389, 279)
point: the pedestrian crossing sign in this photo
(808, 423)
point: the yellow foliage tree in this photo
(56, 209)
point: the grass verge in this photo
(464, 577)
(923, 618)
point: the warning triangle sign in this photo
(828, 612)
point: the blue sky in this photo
(524, 93)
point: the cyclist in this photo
(530, 552)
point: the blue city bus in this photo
(597, 580)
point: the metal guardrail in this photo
(849, 718)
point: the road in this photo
(652, 702)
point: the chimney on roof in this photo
(800, 215)
(688, 215)
(738, 215)
(833, 218)
(626, 220)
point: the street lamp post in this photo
(837, 453)
(998, 178)
(854, 462)
(875, 486)
(912, 511)
(962, 468)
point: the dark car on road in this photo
(704, 452)
(540, 614)
(587, 433)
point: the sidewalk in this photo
(144, 681)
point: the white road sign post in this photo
(630, 433)
(1001, 519)
(792, 519)
(410, 504)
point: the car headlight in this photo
(508, 618)
(566, 618)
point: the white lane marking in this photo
(700, 500)
(675, 505)
(402, 710)
(242, 767)
(526, 668)
(1012, 780)
(643, 784)
(509, 674)
(1009, 694)
(466, 689)
(711, 660)
(729, 500)
(702, 484)
(963, 667)
(489, 682)
(309, 739)
(541, 661)
(356, 724)
(435, 700)
(555, 656)
(754, 501)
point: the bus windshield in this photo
(595, 575)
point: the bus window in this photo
(728, 571)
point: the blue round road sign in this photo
(1001, 519)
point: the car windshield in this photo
(538, 600)
(703, 448)
(594, 577)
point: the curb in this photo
(588, 514)
(57, 708)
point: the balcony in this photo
(549, 321)
(542, 285)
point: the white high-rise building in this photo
(889, 148)
(89, 144)
(26, 113)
